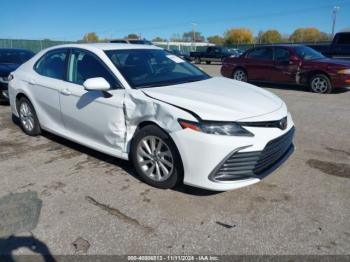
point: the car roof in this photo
(106, 46)
(279, 45)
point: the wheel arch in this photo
(19, 96)
(145, 123)
(308, 75)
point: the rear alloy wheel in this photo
(320, 84)
(156, 158)
(240, 75)
(27, 117)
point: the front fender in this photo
(139, 108)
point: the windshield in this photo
(226, 50)
(153, 67)
(14, 57)
(308, 53)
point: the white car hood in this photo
(218, 98)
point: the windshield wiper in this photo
(152, 85)
(192, 80)
(170, 83)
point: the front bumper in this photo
(203, 155)
(340, 80)
(258, 164)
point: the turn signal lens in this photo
(189, 124)
(344, 72)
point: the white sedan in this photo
(175, 123)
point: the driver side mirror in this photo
(96, 84)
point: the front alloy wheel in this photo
(320, 84)
(156, 158)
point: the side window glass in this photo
(53, 64)
(281, 54)
(344, 39)
(83, 66)
(260, 54)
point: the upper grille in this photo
(281, 124)
(253, 164)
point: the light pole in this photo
(334, 16)
(193, 34)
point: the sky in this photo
(70, 20)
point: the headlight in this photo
(344, 72)
(216, 128)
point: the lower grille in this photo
(242, 165)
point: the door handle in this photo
(66, 92)
(32, 81)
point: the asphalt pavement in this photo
(94, 204)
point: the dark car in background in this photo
(291, 64)
(10, 60)
(212, 54)
(182, 54)
(339, 48)
(235, 51)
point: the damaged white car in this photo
(175, 123)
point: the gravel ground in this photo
(93, 204)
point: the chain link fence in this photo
(37, 45)
(33, 45)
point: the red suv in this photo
(294, 64)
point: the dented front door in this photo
(285, 70)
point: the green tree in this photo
(271, 37)
(158, 39)
(90, 37)
(238, 36)
(190, 36)
(132, 36)
(176, 38)
(216, 39)
(308, 35)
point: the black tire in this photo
(198, 60)
(240, 74)
(35, 129)
(320, 84)
(175, 176)
(207, 62)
